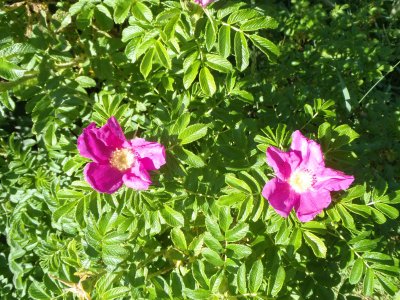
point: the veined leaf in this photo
(316, 244)
(224, 41)
(242, 54)
(192, 133)
(207, 82)
(256, 276)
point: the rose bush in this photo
(133, 141)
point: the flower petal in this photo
(137, 178)
(111, 133)
(103, 178)
(152, 154)
(283, 163)
(311, 154)
(91, 146)
(311, 204)
(281, 197)
(332, 180)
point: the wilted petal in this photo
(103, 178)
(91, 146)
(283, 163)
(281, 197)
(311, 153)
(311, 204)
(152, 154)
(332, 180)
(137, 178)
(111, 133)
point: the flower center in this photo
(301, 180)
(122, 159)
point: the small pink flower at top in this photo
(203, 3)
(117, 160)
(302, 181)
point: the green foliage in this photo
(217, 86)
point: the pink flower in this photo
(203, 3)
(117, 160)
(302, 181)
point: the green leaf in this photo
(197, 294)
(192, 159)
(237, 233)
(180, 124)
(368, 286)
(227, 200)
(265, 45)
(259, 23)
(277, 281)
(50, 135)
(37, 291)
(237, 183)
(218, 63)
(121, 10)
(147, 63)
(16, 49)
(178, 238)
(224, 41)
(213, 228)
(192, 133)
(163, 55)
(241, 279)
(356, 271)
(10, 71)
(210, 35)
(242, 15)
(347, 219)
(131, 32)
(212, 257)
(207, 82)
(172, 217)
(242, 54)
(117, 292)
(85, 82)
(191, 74)
(256, 276)
(212, 242)
(239, 251)
(316, 244)
(142, 12)
(388, 210)
(104, 19)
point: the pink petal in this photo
(111, 133)
(137, 178)
(152, 154)
(332, 180)
(311, 204)
(311, 153)
(283, 163)
(91, 146)
(281, 197)
(103, 178)
(203, 2)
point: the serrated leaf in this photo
(213, 228)
(212, 242)
(368, 285)
(212, 257)
(37, 291)
(104, 19)
(237, 183)
(218, 63)
(131, 32)
(207, 82)
(191, 74)
(192, 133)
(259, 23)
(237, 233)
(163, 55)
(242, 54)
(10, 71)
(277, 281)
(197, 294)
(117, 292)
(210, 35)
(85, 82)
(256, 276)
(224, 41)
(239, 251)
(180, 124)
(265, 45)
(356, 271)
(227, 200)
(147, 63)
(172, 217)
(178, 238)
(316, 244)
(241, 279)
(121, 10)
(388, 210)
(142, 12)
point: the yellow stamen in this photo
(122, 159)
(301, 180)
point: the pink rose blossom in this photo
(117, 160)
(203, 3)
(302, 181)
